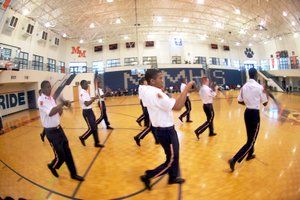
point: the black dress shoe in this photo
(189, 121)
(53, 171)
(176, 181)
(109, 127)
(231, 164)
(99, 145)
(76, 177)
(137, 140)
(157, 142)
(146, 181)
(212, 134)
(42, 138)
(250, 157)
(82, 141)
(197, 134)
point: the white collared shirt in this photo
(141, 90)
(159, 108)
(100, 92)
(252, 95)
(207, 95)
(45, 106)
(84, 96)
(182, 87)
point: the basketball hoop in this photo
(6, 64)
(9, 65)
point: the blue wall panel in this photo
(124, 79)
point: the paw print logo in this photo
(249, 53)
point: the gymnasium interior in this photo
(113, 43)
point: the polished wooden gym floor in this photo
(113, 172)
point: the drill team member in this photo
(187, 103)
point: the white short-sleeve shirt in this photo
(159, 106)
(252, 95)
(46, 104)
(100, 92)
(182, 87)
(84, 96)
(207, 95)
(141, 90)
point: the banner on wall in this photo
(12, 102)
(78, 51)
(4, 4)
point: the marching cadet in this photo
(207, 96)
(251, 95)
(160, 108)
(187, 103)
(144, 116)
(43, 134)
(143, 133)
(86, 104)
(50, 116)
(102, 107)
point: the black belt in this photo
(53, 128)
(163, 128)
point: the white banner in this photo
(12, 102)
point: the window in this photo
(98, 66)
(131, 61)
(23, 60)
(214, 61)
(51, 65)
(37, 62)
(200, 60)
(150, 60)
(226, 62)
(56, 41)
(44, 35)
(176, 59)
(5, 54)
(265, 64)
(283, 63)
(13, 22)
(113, 63)
(78, 67)
(29, 29)
(236, 63)
(61, 67)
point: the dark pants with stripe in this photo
(209, 123)
(103, 114)
(90, 119)
(169, 141)
(144, 116)
(145, 132)
(188, 107)
(1, 124)
(62, 151)
(252, 121)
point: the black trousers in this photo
(103, 114)
(144, 116)
(209, 123)
(61, 149)
(90, 119)
(188, 107)
(169, 141)
(1, 124)
(145, 132)
(43, 134)
(252, 121)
